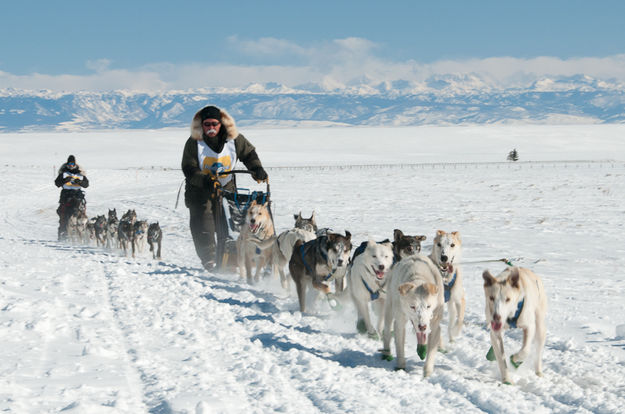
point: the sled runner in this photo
(231, 217)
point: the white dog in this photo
(515, 298)
(366, 280)
(446, 252)
(415, 294)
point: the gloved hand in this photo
(259, 174)
(211, 184)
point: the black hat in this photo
(210, 112)
(71, 159)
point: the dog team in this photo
(127, 233)
(399, 283)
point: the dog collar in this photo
(448, 287)
(512, 321)
(374, 295)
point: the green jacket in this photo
(196, 191)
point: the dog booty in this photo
(422, 351)
(491, 354)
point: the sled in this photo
(231, 217)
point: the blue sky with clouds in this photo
(188, 44)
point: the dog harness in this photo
(448, 287)
(374, 295)
(512, 321)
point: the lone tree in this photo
(513, 155)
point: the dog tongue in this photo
(421, 338)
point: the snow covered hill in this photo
(87, 330)
(440, 100)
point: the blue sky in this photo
(185, 44)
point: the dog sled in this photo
(72, 203)
(231, 217)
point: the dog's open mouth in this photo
(254, 227)
(422, 338)
(446, 267)
(379, 274)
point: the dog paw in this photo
(490, 355)
(361, 327)
(373, 335)
(333, 302)
(422, 351)
(515, 364)
(386, 356)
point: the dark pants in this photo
(69, 202)
(202, 224)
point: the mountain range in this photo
(440, 100)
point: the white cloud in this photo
(348, 61)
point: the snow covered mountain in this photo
(439, 100)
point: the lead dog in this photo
(318, 261)
(415, 294)
(516, 298)
(446, 253)
(366, 280)
(139, 236)
(258, 225)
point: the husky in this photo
(366, 278)
(100, 230)
(77, 227)
(405, 245)
(446, 253)
(515, 298)
(139, 236)
(112, 223)
(155, 236)
(318, 261)
(415, 294)
(308, 224)
(125, 230)
(258, 224)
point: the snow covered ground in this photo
(86, 330)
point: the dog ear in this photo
(489, 279)
(406, 287)
(297, 216)
(456, 234)
(427, 289)
(348, 235)
(440, 232)
(312, 216)
(397, 234)
(513, 277)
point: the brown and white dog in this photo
(415, 295)
(446, 254)
(515, 298)
(318, 261)
(258, 225)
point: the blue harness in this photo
(374, 295)
(448, 287)
(512, 321)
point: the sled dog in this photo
(112, 223)
(155, 237)
(77, 227)
(446, 252)
(281, 248)
(415, 294)
(125, 229)
(366, 278)
(308, 224)
(516, 298)
(318, 261)
(405, 245)
(100, 230)
(258, 224)
(139, 236)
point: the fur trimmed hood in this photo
(63, 168)
(227, 122)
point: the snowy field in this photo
(86, 330)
